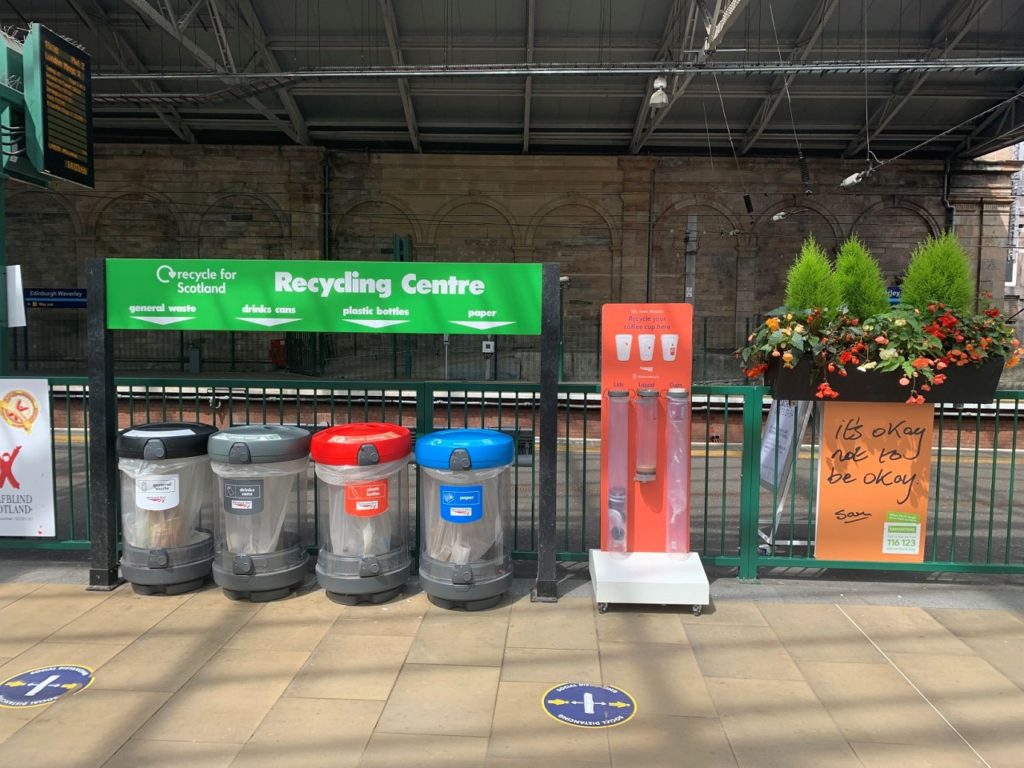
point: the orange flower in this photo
(881, 340)
(904, 382)
(787, 357)
(772, 323)
(921, 362)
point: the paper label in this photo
(902, 535)
(462, 503)
(243, 497)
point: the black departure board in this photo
(58, 96)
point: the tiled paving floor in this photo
(198, 681)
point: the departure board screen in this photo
(58, 73)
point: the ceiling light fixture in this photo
(659, 98)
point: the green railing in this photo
(973, 524)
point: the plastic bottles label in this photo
(462, 503)
(366, 499)
(157, 492)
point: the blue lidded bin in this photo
(466, 546)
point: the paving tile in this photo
(212, 596)
(296, 624)
(80, 731)
(15, 590)
(416, 750)
(173, 754)
(662, 741)
(663, 679)
(551, 665)
(727, 612)
(750, 652)
(646, 624)
(118, 621)
(397, 617)
(819, 633)
(356, 667)
(874, 755)
(983, 625)
(522, 730)
(511, 762)
(40, 613)
(905, 630)
(782, 725)
(460, 637)
(1006, 655)
(436, 699)
(568, 623)
(169, 654)
(982, 704)
(874, 702)
(298, 733)
(227, 699)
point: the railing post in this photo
(424, 426)
(546, 587)
(102, 435)
(750, 484)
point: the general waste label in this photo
(41, 686)
(589, 706)
(462, 503)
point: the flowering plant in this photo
(920, 344)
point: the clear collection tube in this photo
(677, 457)
(646, 435)
(617, 451)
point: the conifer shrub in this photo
(810, 283)
(939, 273)
(859, 278)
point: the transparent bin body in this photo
(349, 531)
(617, 468)
(677, 457)
(166, 503)
(646, 435)
(272, 525)
(485, 542)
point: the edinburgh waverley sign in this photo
(332, 296)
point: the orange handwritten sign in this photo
(873, 482)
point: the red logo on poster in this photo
(7, 468)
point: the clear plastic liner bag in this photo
(461, 543)
(354, 535)
(164, 503)
(258, 533)
(677, 449)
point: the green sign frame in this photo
(323, 296)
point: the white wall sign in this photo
(26, 470)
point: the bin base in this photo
(470, 597)
(262, 586)
(167, 571)
(341, 577)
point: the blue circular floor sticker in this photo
(41, 686)
(589, 706)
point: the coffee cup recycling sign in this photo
(331, 296)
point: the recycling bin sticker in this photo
(462, 503)
(157, 492)
(366, 499)
(243, 497)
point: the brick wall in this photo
(592, 215)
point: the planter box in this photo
(969, 384)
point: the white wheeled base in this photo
(648, 577)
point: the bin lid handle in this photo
(154, 449)
(239, 454)
(367, 455)
(459, 460)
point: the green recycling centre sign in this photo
(326, 296)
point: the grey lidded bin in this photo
(261, 503)
(466, 546)
(362, 470)
(166, 505)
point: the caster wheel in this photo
(602, 607)
(697, 609)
